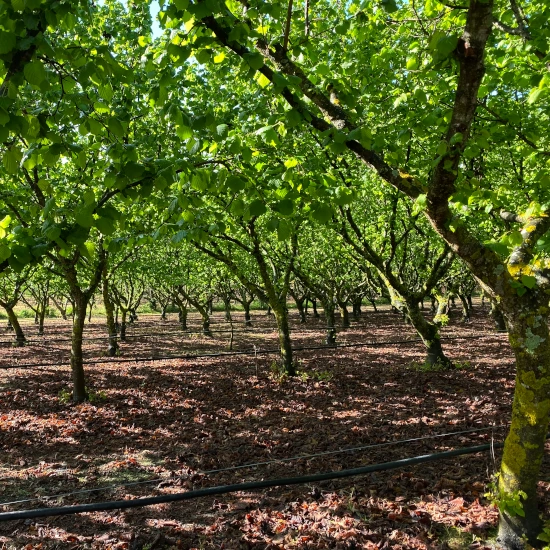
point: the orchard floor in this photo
(171, 421)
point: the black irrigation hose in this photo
(135, 334)
(256, 464)
(223, 489)
(246, 353)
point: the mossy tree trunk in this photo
(80, 298)
(20, 339)
(524, 447)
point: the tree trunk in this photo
(206, 324)
(465, 308)
(345, 315)
(182, 316)
(429, 333)
(300, 308)
(110, 314)
(123, 324)
(247, 318)
(314, 307)
(498, 318)
(41, 319)
(281, 315)
(227, 308)
(524, 447)
(19, 335)
(77, 360)
(328, 306)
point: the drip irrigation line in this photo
(246, 486)
(254, 353)
(182, 332)
(255, 464)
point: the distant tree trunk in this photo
(227, 308)
(110, 314)
(123, 312)
(345, 315)
(182, 317)
(300, 308)
(314, 307)
(356, 308)
(41, 320)
(498, 318)
(206, 325)
(281, 315)
(465, 308)
(247, 318)
(330, 317)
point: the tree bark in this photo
(330, 317)
(110, 314)
(281, 315)
(16, 326)
(498, 317)
(247, 318)
(124, 313)
(77, 359)
(524, 447)
(300, 307)
(345, 315)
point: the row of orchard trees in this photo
(411, 130)
(183, 277)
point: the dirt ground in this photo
(162, 426)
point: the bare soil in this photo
(162, 425)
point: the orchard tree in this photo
(449, 105)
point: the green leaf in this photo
(285, 207)
(254, 60)
(442, 148)
(7, 42)
(5, 223)
(515, 239)
(528, 281)
(184, 132)
(5, 252)
(84, 217)
(11, 160)
(257, 208)
(18, 5)
(291, 163)
(446, 45)
(115, 126)
(412, 63)
(4, 117)
(235, 183)
(534, 95)
(105, 225)
(34, 72)
(389, 5)
(322, 213)
(283, 231)
(419, 205)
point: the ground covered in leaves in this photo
(160, 422)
